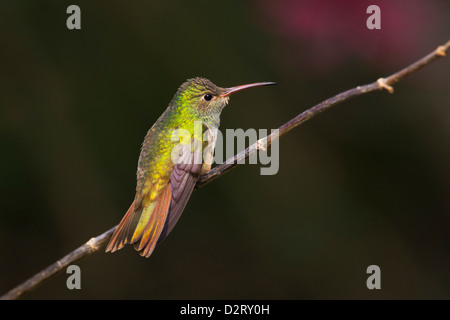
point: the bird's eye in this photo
(207, 97)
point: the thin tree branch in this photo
(97, 243)
(93, 245)
(380, 84)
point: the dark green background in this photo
(367, 182)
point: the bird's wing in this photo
(149, 220)
(184, 176)
(151, 223)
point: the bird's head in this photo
(207, 98)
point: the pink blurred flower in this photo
(326, 33)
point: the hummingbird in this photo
(174, 154)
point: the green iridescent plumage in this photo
(168, 168)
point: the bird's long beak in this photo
(231, 90)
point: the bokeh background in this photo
(367, 182)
